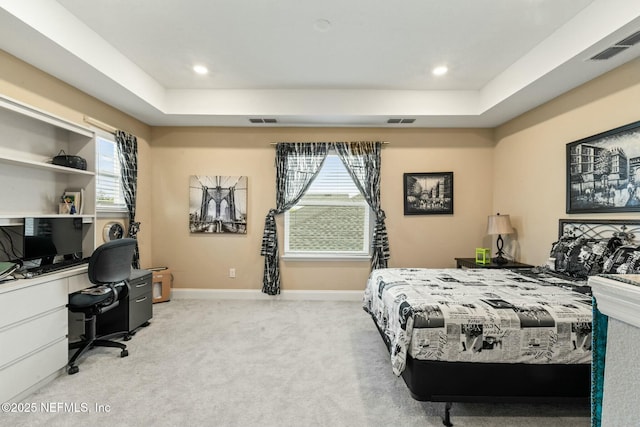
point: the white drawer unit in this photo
(25, 373)
(33, 300)
(30, 336)
(33, 331)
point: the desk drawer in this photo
(140, 310)
(24, 303)
(139, 287)
(24, 338)
(18, 377)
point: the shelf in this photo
(43, 116)
(44, 166)
(32, 184)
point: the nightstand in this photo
(471, 263)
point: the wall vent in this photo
(617, 48)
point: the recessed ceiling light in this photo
(200, 69)
(440, 70)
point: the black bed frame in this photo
(438, 381)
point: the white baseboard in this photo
(256, 294)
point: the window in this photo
(109, 194)
(332, 220)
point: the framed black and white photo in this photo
(428, 193)
(218, 204)
(603, 172)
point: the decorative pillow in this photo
(625, 260)
(581, 257)
(560, 253)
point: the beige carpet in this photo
(257, 363)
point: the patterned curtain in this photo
(128, 156)
(297, 164)
(598, 349)
(362, 160)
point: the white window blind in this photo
(332, 220)
(109, 194)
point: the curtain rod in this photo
(310, 142)
(100, 125)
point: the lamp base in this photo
(500, 260)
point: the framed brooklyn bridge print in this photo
(218, 204)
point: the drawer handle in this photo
(141, 285)
(141, 299)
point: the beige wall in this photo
(517, 169)
(203, 261)
(29, 85)
(530, 155)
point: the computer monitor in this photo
(50, 239)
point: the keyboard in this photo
(51, 268)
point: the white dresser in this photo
(618, 297)
(33, 330)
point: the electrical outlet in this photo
(232, 273)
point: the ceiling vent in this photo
(608, 53)
(262, 120)
(400, 121)
(617, 48)
(631, 40)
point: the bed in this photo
(480, 335)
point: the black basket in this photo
(76, 162)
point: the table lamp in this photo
(499, 224)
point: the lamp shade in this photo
(499, 224)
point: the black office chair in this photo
(109, 268)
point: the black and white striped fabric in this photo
(128, 156)
(297, 164)
(362, 160)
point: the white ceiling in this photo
(320, 63)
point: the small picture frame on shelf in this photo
(72, 201)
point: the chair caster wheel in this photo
(124, 353)
(127, 338)
(73, 370)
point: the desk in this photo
(33, 330)
(34, 326)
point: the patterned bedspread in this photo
(473, 315)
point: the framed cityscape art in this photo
(428, 193)
(603, 172)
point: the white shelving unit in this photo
(33, 313)
(30, 185)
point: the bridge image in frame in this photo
(218, 204)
